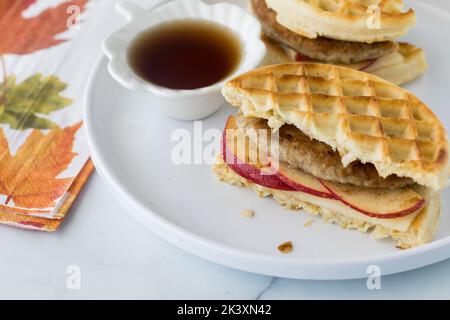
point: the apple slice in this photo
(301, 57)
(384, 62)
(367, 64)
(301, 181)
(251, 172)
(377, 203)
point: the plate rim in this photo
(200, 246)
(326, 269)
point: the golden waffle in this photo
(362, 116)
(351, 20)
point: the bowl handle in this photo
(130, 10)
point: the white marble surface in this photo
(120, 259)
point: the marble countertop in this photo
(100, 252)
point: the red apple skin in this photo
(419, 205)
(302, 58)
(298, 187)
(246, 170)
(367, 66)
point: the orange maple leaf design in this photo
(29, 177)
(21, 36)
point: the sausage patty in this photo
(321, 48)
(319, 159)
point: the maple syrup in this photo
(185, 54)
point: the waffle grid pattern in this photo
(357, 7)
(343, 107)
(351, 20)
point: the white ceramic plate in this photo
(131, 148)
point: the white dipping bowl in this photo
(182, 104)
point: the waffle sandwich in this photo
(352, 147)
(358, 34)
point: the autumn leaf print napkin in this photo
(44, 161)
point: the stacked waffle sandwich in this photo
(359, 34)
(350, 146)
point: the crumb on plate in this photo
(247, 213)
(308, 223)
(286, 247)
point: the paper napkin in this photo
(44, 65)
